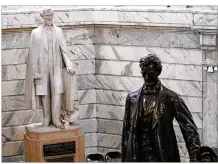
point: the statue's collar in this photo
(151, 89)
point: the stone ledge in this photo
(112, 15)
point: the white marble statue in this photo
(47, 84)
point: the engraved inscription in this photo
(59, 148)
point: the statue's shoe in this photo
(61, 126)
(46, 122)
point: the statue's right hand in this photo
(37, 77)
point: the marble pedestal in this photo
(50, 144)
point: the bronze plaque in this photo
(59, 148)
(61, 159)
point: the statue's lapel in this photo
(54, 33)
(135, 107)
(45, 42)
(159, 107)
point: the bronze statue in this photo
(148, 134)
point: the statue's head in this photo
(47, 15)
(150, 68)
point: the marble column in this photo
(209, 47)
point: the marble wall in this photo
(105, 46)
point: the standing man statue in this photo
(148, 134)
(45, 81)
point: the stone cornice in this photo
(180, 19)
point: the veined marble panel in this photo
(87, 111)
(12, 148)
(19, 158)
(210, 137)
(22, 117)
(87, 96)
(124, 83)
(110, 112)
(146, 38)
(78, 52)
(14, 56)
(210, 122)
(90, 150)
(12, 87)
(90, 140)
(182, 19)
(208, 40)
(104, 150)
(13, 133)
(79, 36)
(169, 71)
(73, 16)
(20, 20)
(108, 97)
(108, 140)
(205, 20)
(134, 53)
(198, 119)
(84, 66)
(184, 88)
(86, 81)
(10, 103)
(88, 125)
(183, 150)
(109, 126)
(14, 72)
(15, 40)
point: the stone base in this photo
(50, 144)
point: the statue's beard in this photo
(48, 22)
(151, 83)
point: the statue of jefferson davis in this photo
(148, 134)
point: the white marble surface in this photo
(146, 38)
(22, 117)
(14, 133)
(14, 56)
(15, 87)
(13, 72)
(109, 126)
(10, 103)
(12, 148)
(206, 19)
(169, 71)
(110, 141)
(183, 19)
(87, 111)
(91, 140)
(87, 96)
(134, 53)
(208, 40)
(15, 40)
(88, 125)
(14, 17)
(82, 52)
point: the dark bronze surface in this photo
(148, 134)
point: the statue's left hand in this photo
(71, 71)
